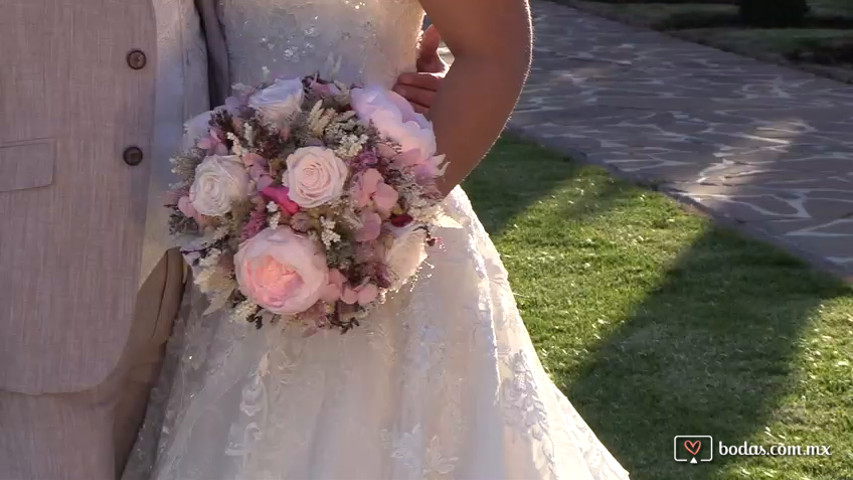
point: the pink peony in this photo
(281, 271)
(395, 119)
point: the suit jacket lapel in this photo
(217, 51)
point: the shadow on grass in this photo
(708, 345)
(517, 174)
(708, 351)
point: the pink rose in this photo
(371, 186)
(315, 176)
(395, 119)
(281, 271)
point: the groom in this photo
(93, 94)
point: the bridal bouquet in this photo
(306, 200)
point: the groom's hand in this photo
(420, 88)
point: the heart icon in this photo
(693, 447)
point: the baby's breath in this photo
(243, 311)
(329, 235)
(237, 148)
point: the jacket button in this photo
(136, 59)
(132, 156)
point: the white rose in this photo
(219, 182)
(315, 176)
(395, 118)
(278, 101)
(406, 254)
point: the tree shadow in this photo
(708, 351)
(517, 174)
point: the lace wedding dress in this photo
(441, 383)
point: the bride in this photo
(442, 382)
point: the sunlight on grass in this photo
(655, 323)
(774, 40)
(832, 7)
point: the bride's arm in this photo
(491, 41)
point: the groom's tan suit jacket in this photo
(77, 118)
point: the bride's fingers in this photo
(426, 81)
(416, 95)
(420, 108)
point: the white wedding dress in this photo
(441, 383)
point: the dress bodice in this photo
(356, 41)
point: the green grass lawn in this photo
(656, 323)
(827, 40)
(841, 8)
(783, 42)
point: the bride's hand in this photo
(420, 88)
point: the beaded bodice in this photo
(361, 41)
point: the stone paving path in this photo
(761, 147)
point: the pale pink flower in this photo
(233, 105)
(196, 129)
(186, 207)
(371, 186)
(371, 227)
(214, 143)
(281, 271)
(257, 222)
(279, 101)
(425, 168)
(362, 294)
(335, 288)
(252, 159)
